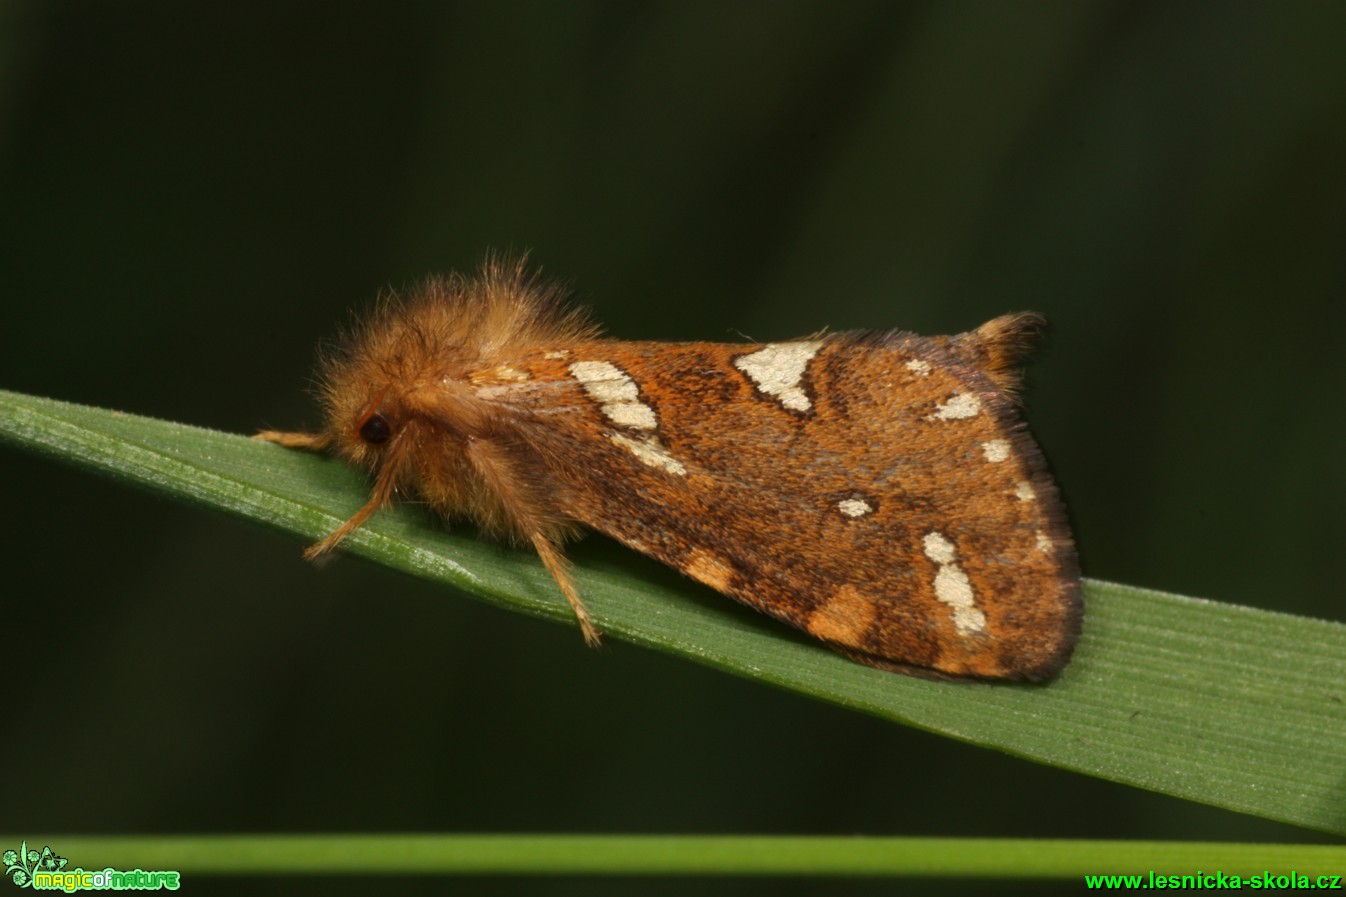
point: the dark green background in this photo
(192, 195)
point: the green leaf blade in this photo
(688, 855)
(1229, 706)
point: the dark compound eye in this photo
(376, 430)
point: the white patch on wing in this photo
(996, 450)
(616, 394)
(854, 507)
(636, 415)
(959, 407)
(952, 586)
(939, 549)
(649, 450)
(778, 369)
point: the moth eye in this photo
(376, 430)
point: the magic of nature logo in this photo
(44, 870)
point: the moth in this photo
(877, 490)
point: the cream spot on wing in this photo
(918, 367)
(996, 450)
(778, 369)
(952, 585)
(712, 570)
(845, 617)
(557, 354)
(636, 415)
(650, 451)
(616, 394)
(604, 381)
(854, 507)
(939, 549)
(1044, 542)
(1024, 491)
(960, 407)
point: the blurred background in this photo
(192, 195)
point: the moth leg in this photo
(556, 565)
(528, 517)
(357, 520)
(318, 442)
(384, 487)
(313, 442)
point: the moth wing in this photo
(876, 490)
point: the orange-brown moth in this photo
(877, 490)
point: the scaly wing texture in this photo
(877, 490)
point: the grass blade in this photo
(1230, 706)
(683, 855)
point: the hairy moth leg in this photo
(319, 442)
(557, 565)
(527, 516)
(311, 442)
